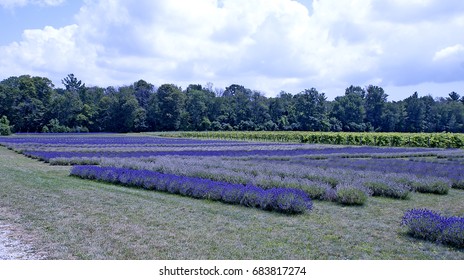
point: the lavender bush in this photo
(390, 189)
(458, 184)
(427, 185)
(351, 194)
(290, 201)
(430, 225)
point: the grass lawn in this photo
(70, 218)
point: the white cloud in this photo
(21, 3)
(270, 45)
(449, 52)
(13, 3)
(49, 52)
(416, 10)
(203, 40)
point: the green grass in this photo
(70, 218)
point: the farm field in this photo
(381, 139)
(320, 201)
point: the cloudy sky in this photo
(267, 45)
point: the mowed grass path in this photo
(70, 218)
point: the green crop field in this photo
(394, 139)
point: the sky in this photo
(265, 45)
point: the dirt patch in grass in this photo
(15, 244)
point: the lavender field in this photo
(340, 174)
(283, 178)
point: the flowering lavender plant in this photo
(390, 189)
(430, 185)
(352, 194)
(283, 200)
(430, 225)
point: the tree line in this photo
(33, 104)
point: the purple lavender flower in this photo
(283, 200)
(430, 225)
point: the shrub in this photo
(458, 184)
(431, 186)
(5, 128)
(317, 191)
(388, 189)
(291, 201)
(351, 195)
(55, 127)
(430, 225)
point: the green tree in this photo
(5, 128)
(143, 91)
(282, 110)
(123, 110)
(260, 111)
(68, 107)
(55, 127)
(29, 115)
(170, 99)
(392, 114)
(91, 109)
(375, 101)
(153, 113)
(349, 109)
(44, 89)
(140, 120)
(24, 101)
(103, 115)
(71, 83)
(453, 96)
(450, 115)
(311, 110)
(415, 113)
(235, 96)
(431, 119)
(236, 106)
(196, 107)
(71, 107)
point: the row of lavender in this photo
(430, 225)
(135, 152)
(290, 201)
(102, 139)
